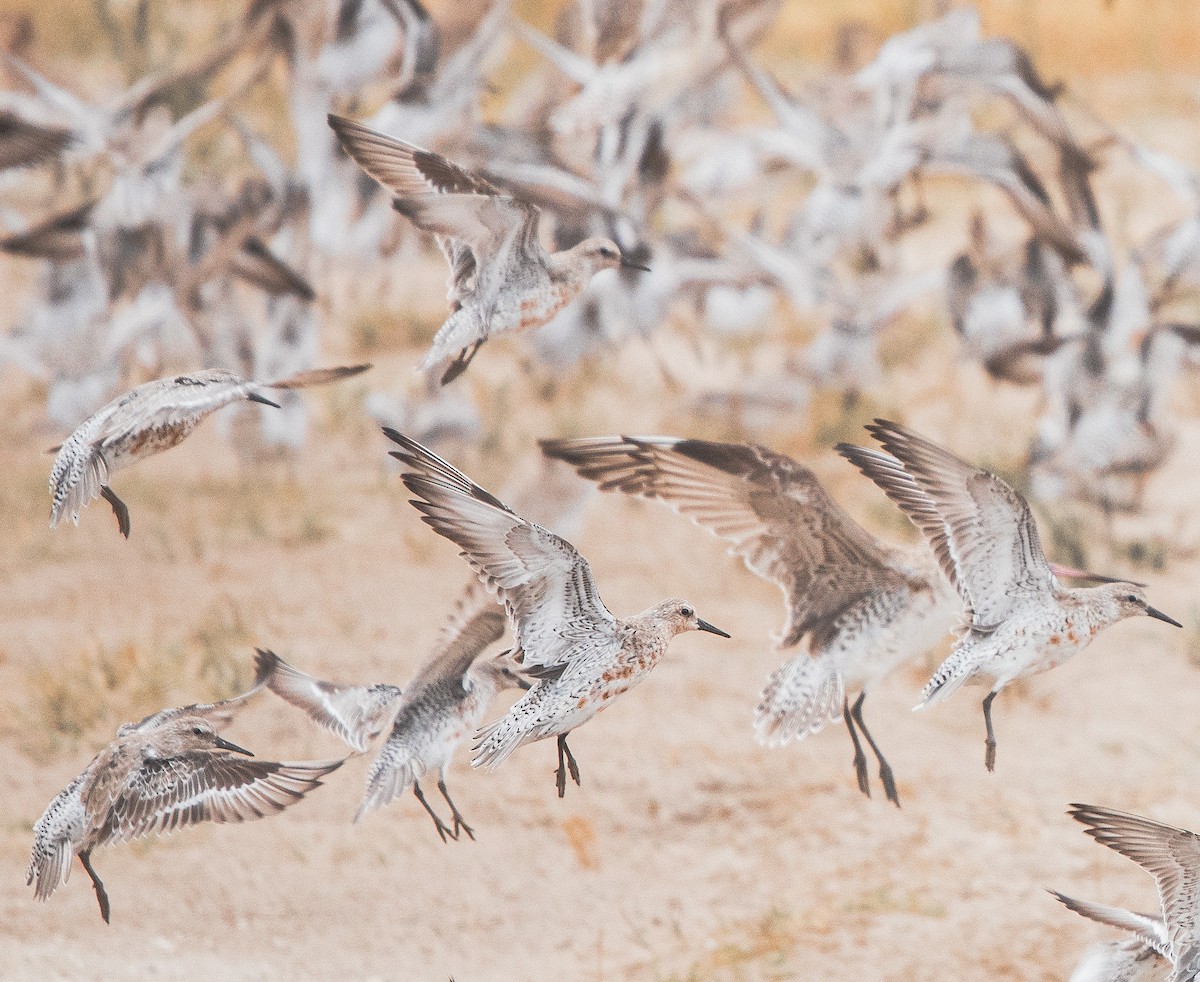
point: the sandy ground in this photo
(689, 852)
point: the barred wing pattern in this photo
(774, 511)
(1172, 857)
(546, 585)
(981, 530)
(199, 786)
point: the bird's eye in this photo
(686, 611)
(1131, 598)
(198, 731)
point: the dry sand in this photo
(689, 852)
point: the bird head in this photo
(679, 616)
(502, 672)
(1129, 600)
(601, 253)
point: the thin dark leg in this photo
(459, 821)
(460, 363)
(989, 757)
(860, 760)
(118, 507)
(85, 857)
(560, 775)
(885, 769)
(442, 829)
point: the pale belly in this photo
(1021, 654)
(536, 308)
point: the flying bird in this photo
(581, 656)
(501, 279)
(1019, 620)
(170, 770)
(428, 718)
(146, 420)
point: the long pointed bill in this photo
(255, 397)
(632, 265)
(226, 745)
(705, 626)
(1160, 616)
(1071, 573)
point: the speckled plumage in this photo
(444, 702)
(501, 279)
(146, 420)
(581, 655)
(860, 607)
(170, 770)
(1018, 619)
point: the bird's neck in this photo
(564, 271)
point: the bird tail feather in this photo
(800, 697)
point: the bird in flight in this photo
(501, 279)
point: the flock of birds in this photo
(639, 168)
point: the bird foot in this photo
(889, 784)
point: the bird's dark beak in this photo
(632, 265)
(705, 626)
(226, 745)
(255, 397)
(1160, 616)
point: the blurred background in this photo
(982, 221)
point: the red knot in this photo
(444, 702)
(1138, 957)
(146, 420)
(1172, 857)
(501, 279)
(859, 606)
(1018, 619)
(580, 654)
(170, 770)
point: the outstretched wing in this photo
(1172, 857)
(1147, 928)
(354, 713)
(436, 194)
(477, 621)
(200, 786)
(981, 530)
(545, 584)
(774, 511)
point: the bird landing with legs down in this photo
(501, 278)
(1019, 620)
(170, 770)
(147, 420)
(581, 656)
(428, 718)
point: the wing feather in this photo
(1172, 857)
(981, 530)
(355, 714)
(200, 786)
(545, 584)
(774, 512)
